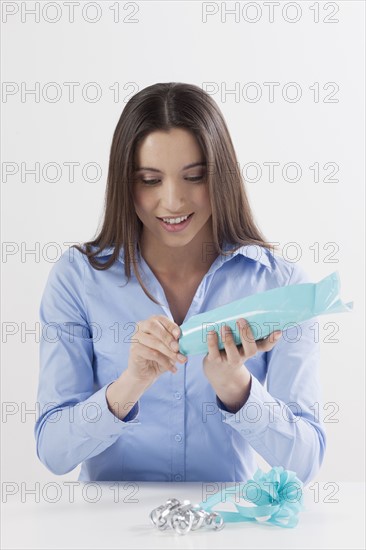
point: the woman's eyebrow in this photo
(150, 169)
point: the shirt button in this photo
(178, 437)
(177, 395)
(178, 477)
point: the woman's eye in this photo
(152, 182)
(195, 178)
(149, 182)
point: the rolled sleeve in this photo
(98, 420)
(254, 417)
(75, 422)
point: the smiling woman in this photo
(172, 155)
(176, 210)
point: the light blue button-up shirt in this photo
(178, 430)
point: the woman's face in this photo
(164, 185)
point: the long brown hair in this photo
(164, 106)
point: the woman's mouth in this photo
(174, 227)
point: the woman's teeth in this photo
(176, 220)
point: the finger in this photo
(247, 338)
(268, 343)
(229, 343)
(169, 326)
(162, 361)
(160, 337)
(152, 342)
(212, 344)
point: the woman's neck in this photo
(179, 263)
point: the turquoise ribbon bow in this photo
(277, 494)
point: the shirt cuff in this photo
(254, 416)
(132, 414)
(99, 422)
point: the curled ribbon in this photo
(277, 494)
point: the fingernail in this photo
(176, 332)
(181, 357)
(278, 335)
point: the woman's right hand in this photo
(151, 352)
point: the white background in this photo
(171, 42)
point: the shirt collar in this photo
(252, 251)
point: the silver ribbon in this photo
(184, 517)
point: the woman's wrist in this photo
(124, 392)
(235, 394)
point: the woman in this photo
(115, 395)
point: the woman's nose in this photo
(172, 196)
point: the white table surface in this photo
(114, 522)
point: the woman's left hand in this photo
(225, 369)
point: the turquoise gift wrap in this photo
(265, 312)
